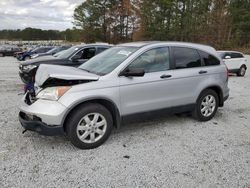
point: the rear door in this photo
(238, 59)
(187, 75)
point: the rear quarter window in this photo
(186, 57)
(208, 59)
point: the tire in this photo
(2, 55)
(81, 124)
(242, 71)
(206, 105)
(26, 58)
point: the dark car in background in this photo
(53, 51)
(74, 57)
(27, 54)
(9, 50)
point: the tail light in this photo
(227, 72)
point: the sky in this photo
(43, 14)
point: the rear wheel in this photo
(89, 126)
(2, 55)
(242, 71)
(206, 105)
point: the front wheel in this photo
(2, 55)
(89, 126)
(242, 71)
(206, 105)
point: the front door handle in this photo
(202, 72)
(166, 76)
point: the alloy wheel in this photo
(91, 128)
(208, 105)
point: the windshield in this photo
(34, 50)
(67, 53)
(221, 54)
(108, 60)
(53, 50)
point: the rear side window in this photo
(186, 58)
(208, 59)
(101, 49)
(236, 55)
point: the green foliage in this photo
(72, 35)
(215, 22)
(221, 23)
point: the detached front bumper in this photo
(43, 116)
(34, 124)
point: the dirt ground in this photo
(170, 152)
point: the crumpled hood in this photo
(45, 72)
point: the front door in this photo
(150, 92)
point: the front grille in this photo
(30, 97)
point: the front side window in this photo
(108, 60)
(85, 53)
(227, 54)
(152, 61)
(186, 58)
(208, 59)
(88, 53)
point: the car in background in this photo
(236, 62)
(8, 50)
(53, 51)
(73, 57)
(127, 81)
(27, 54)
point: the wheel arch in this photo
(219, 92)
(110, 105)
(244, 65)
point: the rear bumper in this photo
(225, 98)
(38, 126)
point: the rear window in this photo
(186, 58)
(208, 59)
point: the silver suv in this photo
(131, 79)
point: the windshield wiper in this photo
(97, 73)
(85, 70)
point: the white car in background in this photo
(235, 61)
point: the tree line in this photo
(72, 35)
(221, 23)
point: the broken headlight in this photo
(52, 93)
(28, 67)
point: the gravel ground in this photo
(171, 152)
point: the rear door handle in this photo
(202, 72)
(166, 76)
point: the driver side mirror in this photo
(133, 72)
(228, 57)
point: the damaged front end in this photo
(52, 81)
(40, 108)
